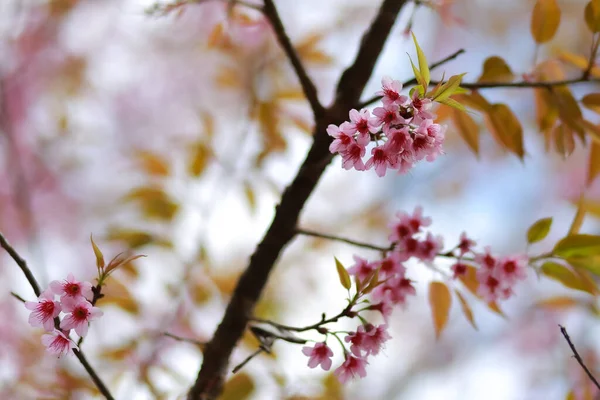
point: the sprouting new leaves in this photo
(544, 20)
(98, 254)
(440, 301)
(539, 230)
(423, 76)
(447, 89)
(343, 274)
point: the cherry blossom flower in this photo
(384, 308)
(357, 339)
(386, 116)
(361, 122)
(421, 106)
(376, 337)
(43, 311)
(512, 268)
(465, 244)
(394, 290)
(381, 158)
(58, 343)
(486, 260)
(430, 247)
(392, 265)
(71, 288)
(361, 268)
(81, 313)
(351, 368)
(352, 156)
(391, 91)
(408, 224)
(459, 269)
(320, 353)
(343, 137)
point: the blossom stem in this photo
(323, 321)
(352, 242)
(32, 281)
(182, 339)
(577, 356)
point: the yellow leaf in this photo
(468, 129)
(578, 61)
(154, 202)
(198, 159)
(580, 245)
(423, 66)
(562, 274)
(539, 230)
(454, 104)
(469, 280)
(546, 109)
(544, 20)
(564, 140)
(417, 74)
(98, 254)
(239, 387)
(307, 51)
(133, 238)
(594, 162)
(592, 102)
(440, 301)
(592, 15)
(495, 69)
(506, 128)
(448, 89)
(229, 77)
(474, 100)
(343, 274)
(466, 309)
(152, 163)
(568, 108)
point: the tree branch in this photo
(212, 373)
(308, 87)
(21, 263)
(578, 357)
(522, 84)
(36, 288)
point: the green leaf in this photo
(373, 281)
(98, 254)
(539, 230)
(453, 103)
(578, 246)
(343, 274)
(423, 66)
(418, 75)
(563, 275)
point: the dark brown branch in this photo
(218, 351)
(308, 87)
(352, 242)
(247, 360)
(413, 81)
(21, 263)
(578, 357)
(36, 288)
(97, 381)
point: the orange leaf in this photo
(466, 309)
(495, 69)
(152, 163)
(468, 129)
(440, 301)
(544, 20)
(592, 15)
(506, 128)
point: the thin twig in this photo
(188, 340)
(21, 263)
(578, 357)
(16, 296)
(523, 84)
(413, 81)
(99, 384)
(250, 357)
(352, 242)
(308, 87)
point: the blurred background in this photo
(171, 130)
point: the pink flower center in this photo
(489, 261)
(72, 289)
(415, 224)
(402, 231)
(362, 126)
(411, 245)
(510, 267)
(80, 314)
(47, 307)
(492, 283)
(391, 94)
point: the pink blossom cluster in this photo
(367, 340)
(498, 276)
(403, 130)
(74, 303)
